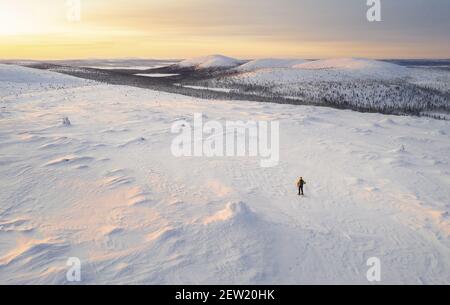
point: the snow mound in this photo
(269, 63)
(233, 212)
(210, 62)
(350, 64)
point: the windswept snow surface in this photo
(210, 62)
(106, 189)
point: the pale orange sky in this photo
(248, 29)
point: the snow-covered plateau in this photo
(86, 171)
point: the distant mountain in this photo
(351, 83)
(345, 63)
(357, 67)
(269, 63)
(210, 62)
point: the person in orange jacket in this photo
(300, 184)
